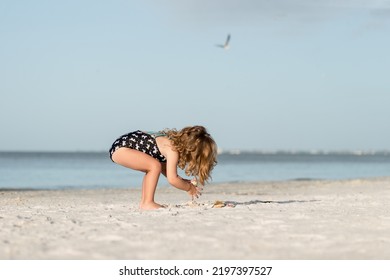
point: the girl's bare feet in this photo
(150, 206)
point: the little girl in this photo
(191, 148)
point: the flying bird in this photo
(226, 45)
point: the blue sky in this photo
(300, 75)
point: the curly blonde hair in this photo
(197, 151)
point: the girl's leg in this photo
(142, 162)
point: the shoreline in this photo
(279, 220)
(218, 183)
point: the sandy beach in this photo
(303, 220)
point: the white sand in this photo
(278, 220)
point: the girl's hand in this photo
(194, 191)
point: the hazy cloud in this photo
(238, 10)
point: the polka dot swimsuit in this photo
(140, 141)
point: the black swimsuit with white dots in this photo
(140, 141)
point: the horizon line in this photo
(238, 151)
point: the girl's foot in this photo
(150, 206)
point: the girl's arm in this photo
(171, 172)
(175, 180)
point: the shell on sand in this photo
(219, 204)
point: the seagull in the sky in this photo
(226, 45)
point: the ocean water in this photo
(54, 170)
